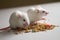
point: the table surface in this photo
(52, 17)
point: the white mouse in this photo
(19, 19)
(36, 13)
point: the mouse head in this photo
(20, 19)
(38, 11)
(42, 12)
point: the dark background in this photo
(16, 3)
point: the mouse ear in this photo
(37, 11)
(18, 15)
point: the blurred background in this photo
(19, 3)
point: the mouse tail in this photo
(5, 29)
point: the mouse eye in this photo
(24, 20)
(43, 11)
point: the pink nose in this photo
(25, 24)
(46, 13)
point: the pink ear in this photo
(18, 15)
(37, 11)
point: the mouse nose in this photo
(46, 13)
(25, 24)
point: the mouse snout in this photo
(25, 24)
(46, 13)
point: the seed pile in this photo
(36, 27)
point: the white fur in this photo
(15, 21)
(33, 15)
